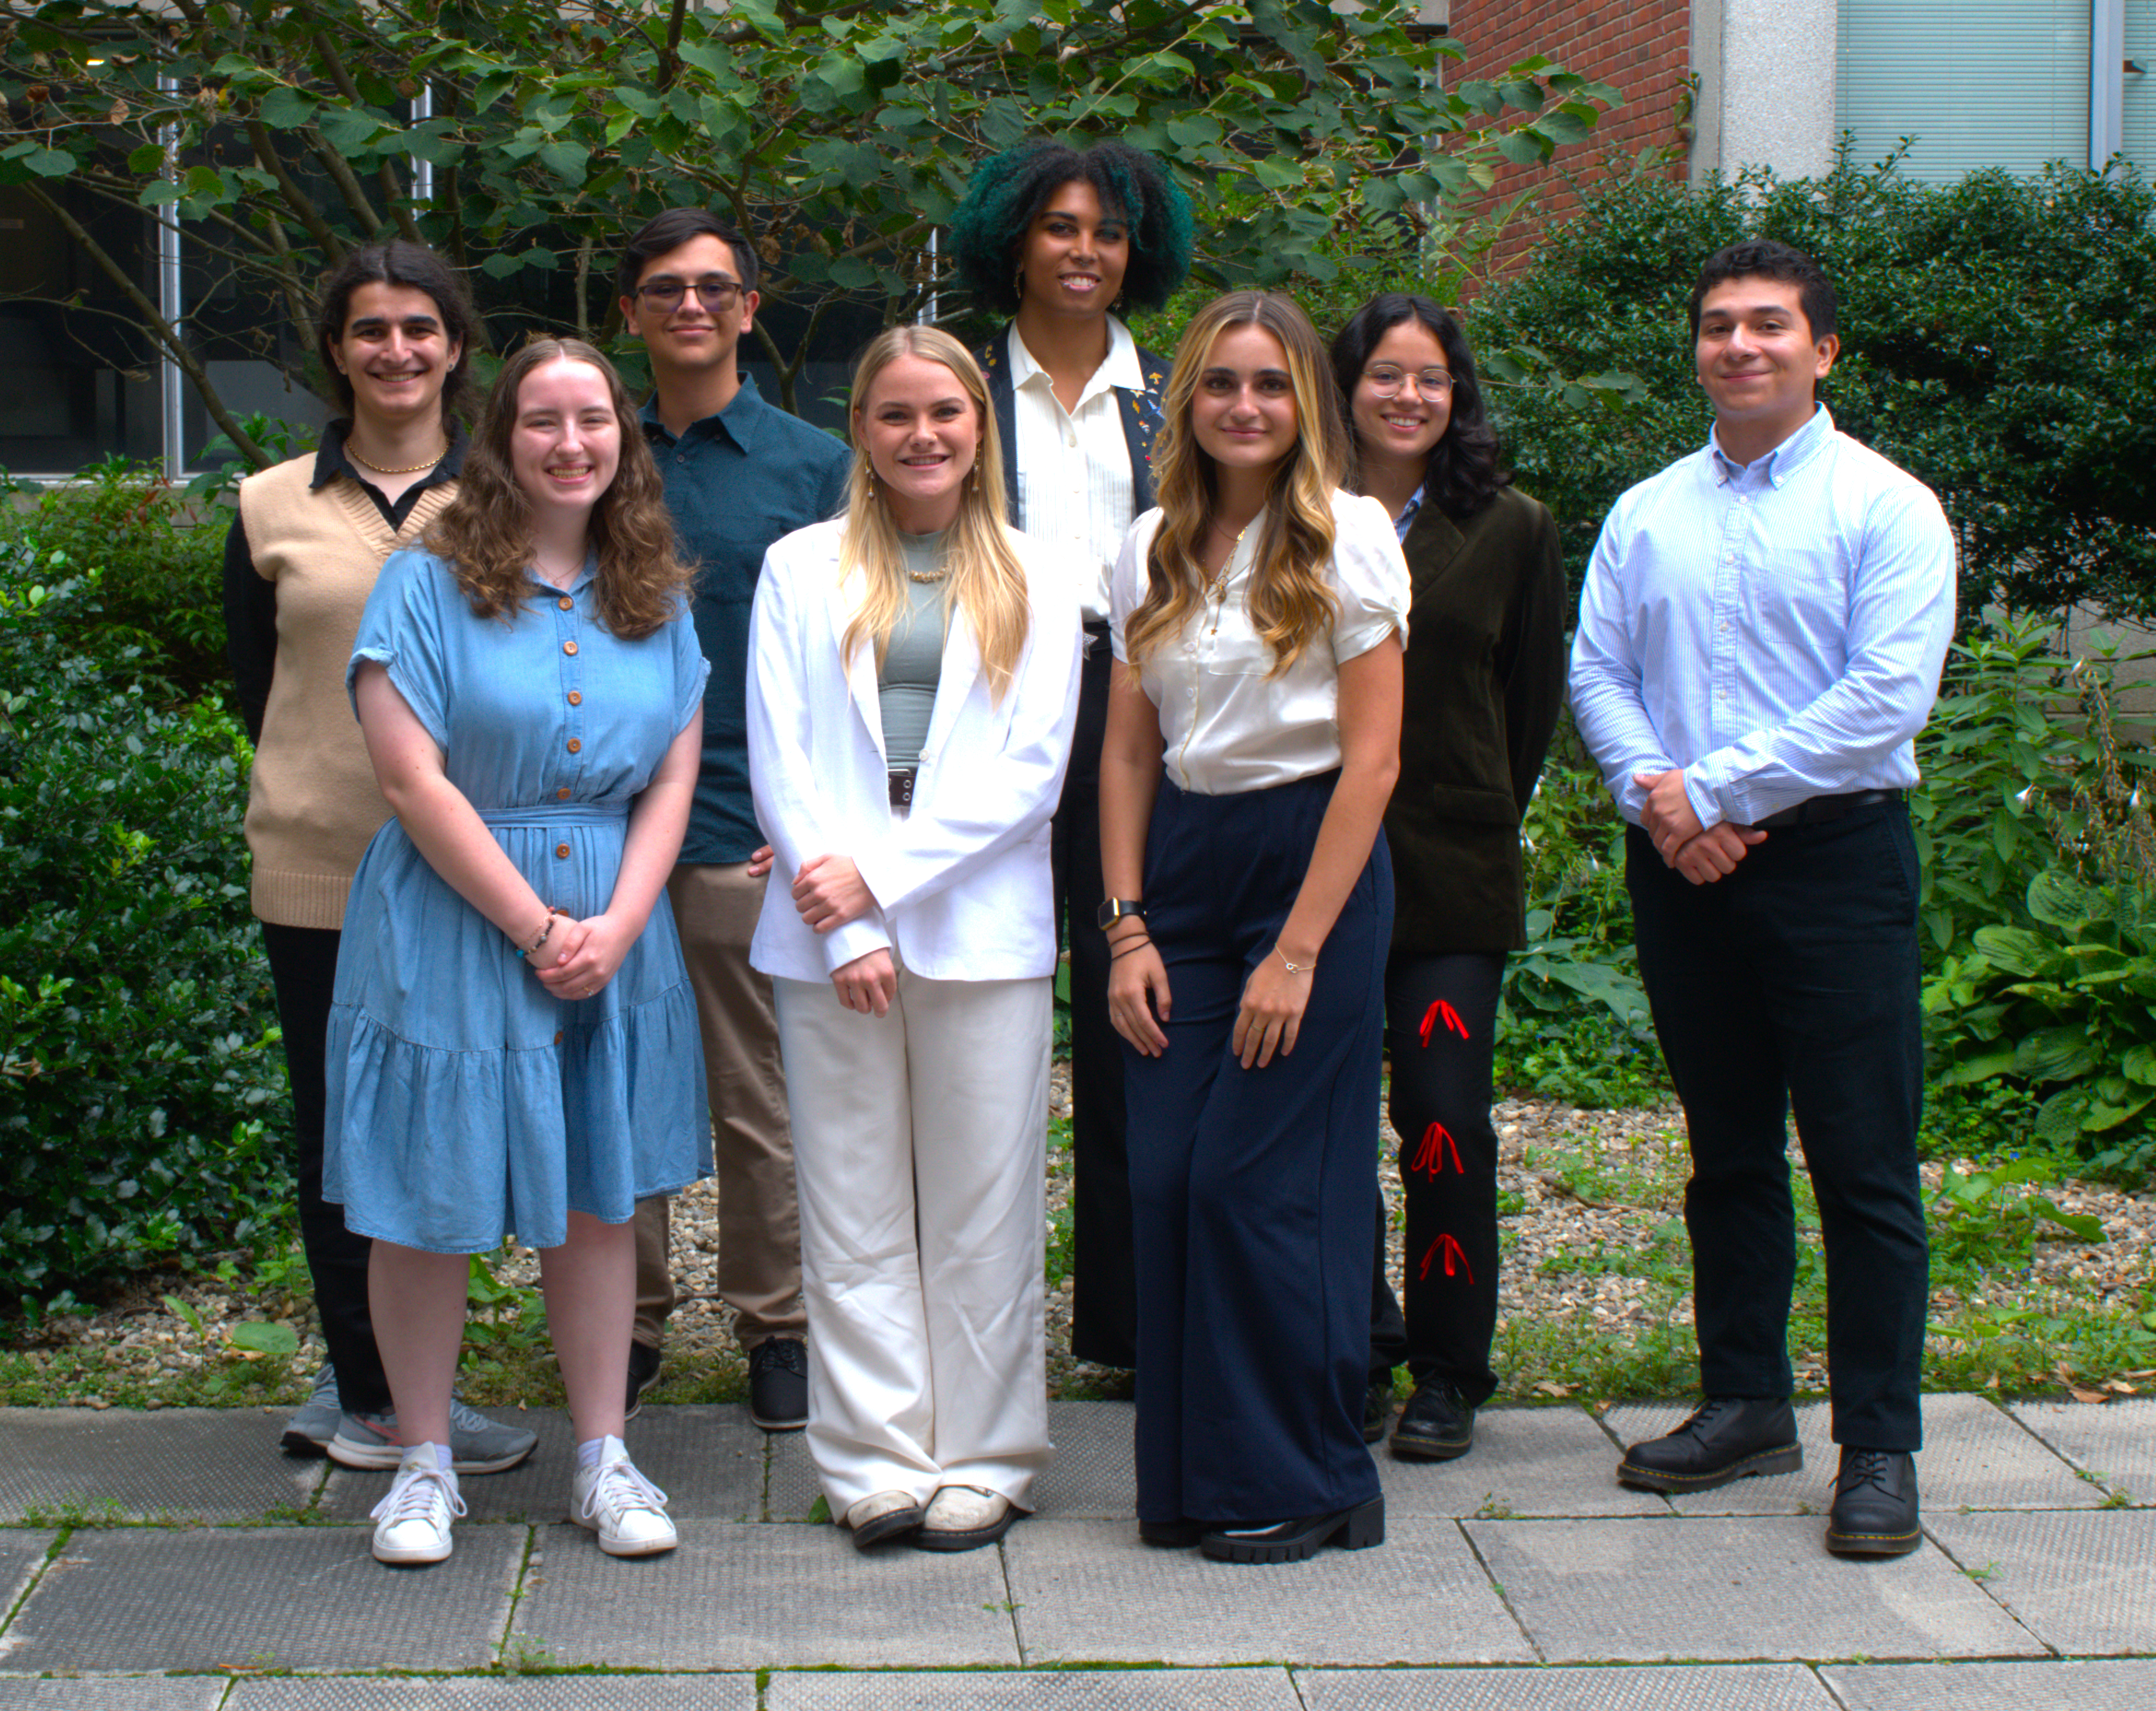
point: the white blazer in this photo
(961, 882)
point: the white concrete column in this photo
(1766, 86)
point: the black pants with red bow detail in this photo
(1440, 1020)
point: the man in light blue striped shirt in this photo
(1760, 638)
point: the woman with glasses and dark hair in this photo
(1253, 738)
(1059, 238)
(395, 337)
(1483, 686)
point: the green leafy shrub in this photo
(140, 1080)
(2066, 1005)
(162, 586)
(1996, 341)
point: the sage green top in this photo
(913, 662)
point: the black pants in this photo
(1103, 1288)
(1252, 1190)
(303, 968)
(1793, 984)
(1440, 1028)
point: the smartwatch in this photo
(1113, 909)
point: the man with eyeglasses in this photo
(1760, 638)
(739, 474)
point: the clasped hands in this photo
(580, 957)
(829, 891)
(1702, 854)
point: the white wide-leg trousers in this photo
(919, 1143)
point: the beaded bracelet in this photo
(546, 933)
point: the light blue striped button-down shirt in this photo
(1775, 628)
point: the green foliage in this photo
(840, 133)
(1572, 1022)
(161, 586)
(139, 1078)
(1996, 341)
(1987, 1218)
(2067, 1003)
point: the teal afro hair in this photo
(1009, 189)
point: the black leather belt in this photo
(1823, 808)
(901, 786)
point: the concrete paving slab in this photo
(1264, 1689)
(1525, 1461)
(790, 1485)
(1093, 1475)
(2051, 1685)
(289, 1598)
(519, 1692)
(1737, 1587)
(107, 1692)
(177, 1464)
(1088, 1591)
(1716, 1686)
(22, 1554)
(755, 1597)
(2084, 1581)
(2115, 1442)
(1975, 1455)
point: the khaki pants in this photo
(715, 909)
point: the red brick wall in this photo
(1640, 46)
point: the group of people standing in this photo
(692, 747)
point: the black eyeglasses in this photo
(1386, 381)
(715, 294)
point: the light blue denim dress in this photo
(464, 1100)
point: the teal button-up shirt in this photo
(735, 482)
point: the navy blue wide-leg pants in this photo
(1253, 1192)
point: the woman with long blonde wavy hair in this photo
(913, 676)
(1253, 739)
(513, 1040)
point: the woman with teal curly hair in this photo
(1057, 238)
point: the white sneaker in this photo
(625, 1509)
(411, 1524)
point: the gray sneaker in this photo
(309, 1431)
(478, 1444)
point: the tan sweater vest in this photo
(312, 805)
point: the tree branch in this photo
(340, 174)
(303, 209)
(669, 56)
(159, 327)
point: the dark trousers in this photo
(1440, 1029)
(303, 969)
(1791, 984)
(1103, 1288)
(1251, 1190)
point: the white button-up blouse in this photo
(1228, 726)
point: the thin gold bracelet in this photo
(1293, 968)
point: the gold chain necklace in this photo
(351, 452)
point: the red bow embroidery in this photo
(1452, 1022)
(1430, 1156)
(1452, 1251)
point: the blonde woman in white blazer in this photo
(912, 681)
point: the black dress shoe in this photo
(1376, 1409)
(1296, 1541)
(1178, 1535)
(643, 1375)
(778, 1384)
(1726, 1437)
(1875, 1504)
(1438, 1425)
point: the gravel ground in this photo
(1578, 1187)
